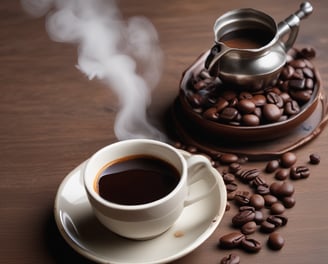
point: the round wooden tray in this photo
(190, 131)
(263, 150)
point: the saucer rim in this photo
(203, 236)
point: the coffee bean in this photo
(277, 220)
(234, 167)
(298, 63)
(287, 72)
(314, 158)
(231, 240)
(274, 187)
(251, 245)
(292, 108)
(249, 175)
(288, 159)
(250, 120)
(211, 114)
(309, 84)
(257, 201)
(282, 174)
(272, 166)
(249, 228)
(273, 98)
(259, 100)
(298, 84)
(257, 180)
(228, 158)
(242, 198)
(271, 112)
(308, 52)
(301, 96)
(231, 259)
(246, 106)
(221, 103)
(277, 208)
(263, 189)
(243, 217)
(299, 172)
(285, 97)
(259, 217)
(289, 201)
(276, 241)
(245, 95)
(228, 178)
(232, 186)
(270, 199)
(229, 113)
(267, 227)
(285, 189)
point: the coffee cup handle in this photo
(195, 164)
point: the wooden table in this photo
(53, 118)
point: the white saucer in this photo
(83, 232)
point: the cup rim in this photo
(88, 182)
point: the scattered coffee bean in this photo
(234, 167)
(231, 186)
(267, 227)
(272, 166)
(288, 202)
(282, 174)
(231, 240)
(259, 217)
(228, 158)
(257, 201)
(246, 214)
(250, 175)
(277, 208)
(269, 199)
(276, 241)
(274, 187)
(249, 228)
(314, 158)
(271, 112)
(230, 259)
(299, 172)
(285, 189)
(288, 159)
(277, 220)
(242, 198)
(263, 189)
(228, 178)
(251, 245)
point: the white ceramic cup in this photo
(147, 220)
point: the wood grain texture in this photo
(53, 118)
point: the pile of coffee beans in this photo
(226, 104)
(262, 206)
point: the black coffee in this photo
(137, 180)
(247, 38)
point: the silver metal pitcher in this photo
(250, 48)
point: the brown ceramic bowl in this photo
(214, 131)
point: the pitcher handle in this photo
(291, 24)
(212, 60)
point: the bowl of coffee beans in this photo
(219, 111)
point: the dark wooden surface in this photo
(53, 118)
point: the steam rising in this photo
(123, 54)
